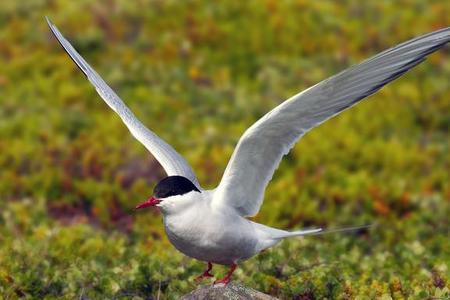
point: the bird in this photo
(214, 226)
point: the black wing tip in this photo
(60, 39)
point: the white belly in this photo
(211, 237)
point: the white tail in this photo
(280, 234)
(286, 234)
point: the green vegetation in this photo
(199, 74)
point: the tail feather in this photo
(269, 236)
(344, 229)
(281, 234)
(286, 234)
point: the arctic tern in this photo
(212, 225)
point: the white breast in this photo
(211, 236)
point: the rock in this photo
(231, 291)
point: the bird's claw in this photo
(223, 281)
(226, 279)
(205, 274)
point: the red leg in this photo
(226, 279)
(206, 273)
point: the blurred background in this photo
(198, 74)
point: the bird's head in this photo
(167, 189)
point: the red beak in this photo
(150, 202)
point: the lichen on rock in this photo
(232, 291)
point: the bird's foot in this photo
(226, 279)
(205, 274)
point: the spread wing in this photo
(259, 151)
(172, 162)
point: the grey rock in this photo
(232, 291)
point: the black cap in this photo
(173, 185)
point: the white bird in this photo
(211, 225)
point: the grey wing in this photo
(260, 149)
(172, 162)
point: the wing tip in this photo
(49, 22)
(52, 27)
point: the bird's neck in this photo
(178, 204)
